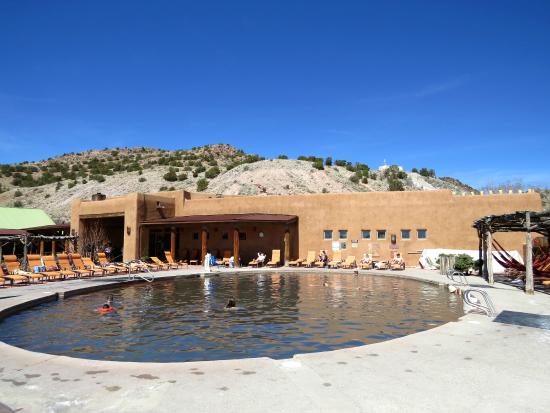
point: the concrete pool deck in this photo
(476, 363)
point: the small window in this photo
(422, 233)
(195, 235)
(327, 234)
(381, 233)
(365, 233)
(242, 236)
(225, 235)
(343, 233)
(405, 234)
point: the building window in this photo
(195, 235)
(327, 234)
(405, 234)
(365, 233)
(422, 233)
(225, 235)
(343, 233)
(242, 236)
(381, 233)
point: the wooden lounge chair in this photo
(3, 281)
(310, 260)
(104, 262)
(89, 264)
(296, 263)
(161, 265)
(349, 262)
(78, 264)
(336, 260)
(253, 263)
(225, 259)
(35, 260)
(193, 259)
(275, 259)
(368, 265)
(65, 265)
(51, 264)
(14, 269)
(171, 261)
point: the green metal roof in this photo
(18, 218)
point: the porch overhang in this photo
(224, 218)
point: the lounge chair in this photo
(161, 265)
(35, 261)
(349, 262)
(381, 265)
(3, 281)
(89, 264)
(104, 262)
(193, 259)
(65, 265)
(275, 258)
(368, 265)
(336, 260)
(225, 259)
(254, 263)
(171, 261)
(51, 264)
(296, 263)
(310, 260)
(15, 273)
(78, 264)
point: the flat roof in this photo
(54, 227)
(223, 218)
(19, 218)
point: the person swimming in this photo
(231, 303)
(108, 305)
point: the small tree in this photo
(395, 185)
(212, 172)
(202, 184)
(171, 175)
(282, 157)
(464, 263)
(328, 161)
(318, 164)
(92, 238)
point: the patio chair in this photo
(171, 261)
(336, 260)
(160, 265)
(104, 262)
(65, 265)
(35, 262)
(275, 258)
(193, 259)
(89, 264)
(15, 273)
(349, 262)
(310, 260)
(51, 264)
(78, 264)
(368, 265)
(296, 263)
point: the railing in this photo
(484, 304)
(133, 276)
(457, 277)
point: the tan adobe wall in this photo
(446, 217)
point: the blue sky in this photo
(462, 87)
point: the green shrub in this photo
(171, 175)
(202, 184)
(395, 184)
(163, 188)
(318, 164)
(47, 196)
(58, 186)
(17, 193)
(18, 204)
(282, 157)
(328, 161)
(464, 262)
(355, 178)
(142, 179)
(71, 184)
(97, 177)
(212, 172)
(182, 177)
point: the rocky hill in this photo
(53, 183)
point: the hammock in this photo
(541, 266)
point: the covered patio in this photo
(244, 235)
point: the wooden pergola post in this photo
(484, 247)
(25, 261)
(236, 245)
(204, 235)
(41, 247)
(287, 247)
(173, 235)
(489, 254)
(53, 247)
(529, 281)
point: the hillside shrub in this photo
(171, 175)
(17, 193)
(212, 172)
(97, 177)
(71, 184)
(202, 184)
(282, 157)
(182, 177)
(395, 184)
(318, 164)
(328, 161)
(142, 179)
(18, 204)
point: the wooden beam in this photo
(287, 247)
(236, 246)
(484, 245)
(41, 247)
(173, 235)
(529, 282)
(490, 275)
(204, 235)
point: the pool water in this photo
(279, 315)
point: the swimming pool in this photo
(279, 315)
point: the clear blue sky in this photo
(462, 87)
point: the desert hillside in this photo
(53, 183)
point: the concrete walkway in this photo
(475, 364)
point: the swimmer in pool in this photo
(109, 304)
(231, 303)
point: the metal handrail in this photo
(457, 277)
(132, 277)
(469, 297)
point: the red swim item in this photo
(105, 310)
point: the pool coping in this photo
(25, 359)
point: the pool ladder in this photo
(474, 297)
(457, 277)
(132, 277)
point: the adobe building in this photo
(378, 223)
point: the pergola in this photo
(520, 221)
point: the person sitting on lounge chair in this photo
(232, 262)
(261, 259)
(323, 258)
(397, 262)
